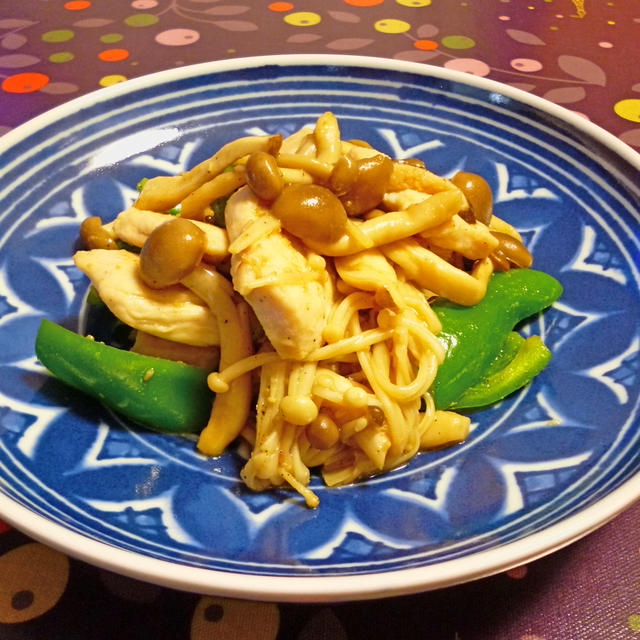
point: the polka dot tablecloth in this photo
(581, 54)
(577, 53)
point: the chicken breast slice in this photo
(173, 313)
(289, 293)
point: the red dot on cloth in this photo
(280, 6)
(4, 526)
(77, 5)
(24, 82)
(425, 45)
(517, 573)
(113, 55)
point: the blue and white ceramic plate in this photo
(540, 469)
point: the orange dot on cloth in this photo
(425, 45)
(77, 5)
(363, 3)
(24, 82)
(113, 55)
(280, 6)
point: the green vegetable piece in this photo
(127, 247)
(218, 207)
(160, 394)
(473, 336)
(532, 357)
(506, 354)
(93, 297)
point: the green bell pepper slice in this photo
(474, 336)
(531, 358)
(507, 353)
(158, 393)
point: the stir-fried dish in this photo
(311, 300)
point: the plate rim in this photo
(321, 587)
(300, 589)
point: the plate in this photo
(539, 470)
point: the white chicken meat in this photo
(173, 313)
(287, 287)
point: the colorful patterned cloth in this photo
(579, 53)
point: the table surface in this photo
(578, 53)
